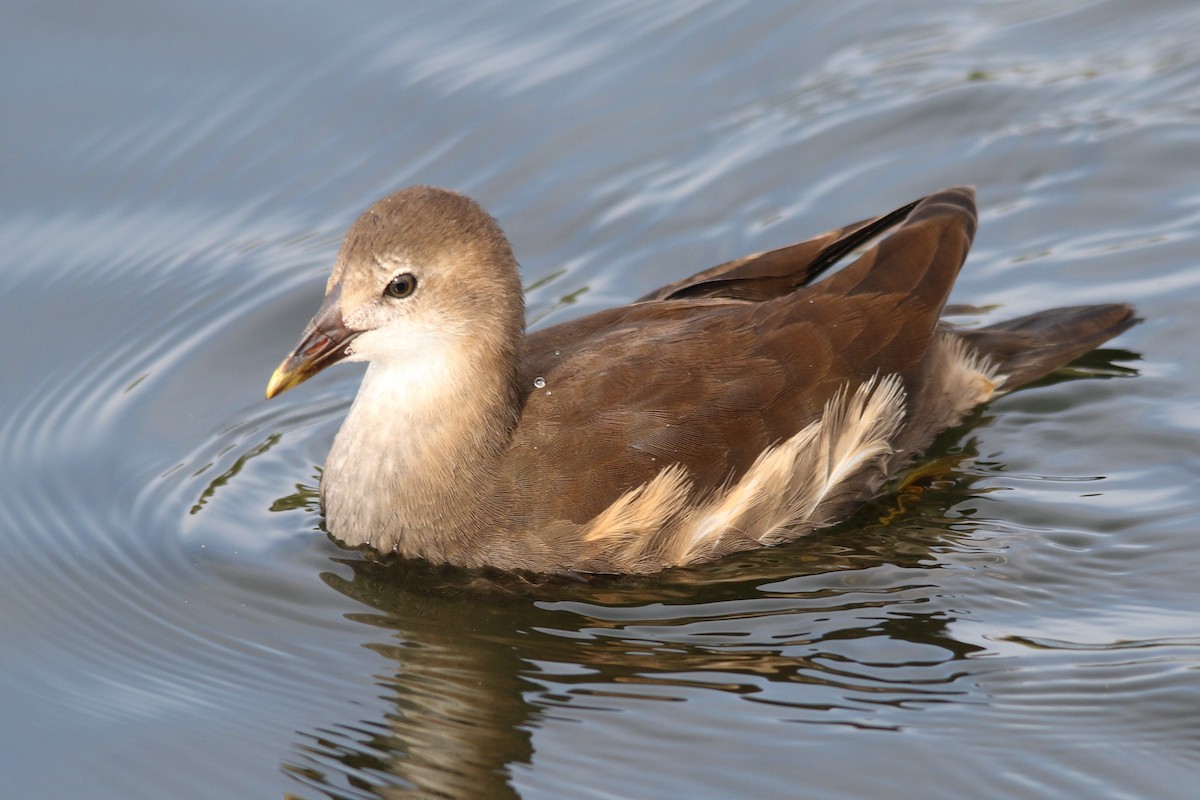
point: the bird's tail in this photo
(1031, 347)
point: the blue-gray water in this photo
(1023, 621)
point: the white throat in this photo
(417, 448)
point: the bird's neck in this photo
(414, 467)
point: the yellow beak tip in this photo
(281, 381)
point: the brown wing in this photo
(762, 276)
(711, 381)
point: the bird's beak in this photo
(325, 341)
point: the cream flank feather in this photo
(804, 483)
(786, 493)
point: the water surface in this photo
(1020, 620)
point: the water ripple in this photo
(173, 195)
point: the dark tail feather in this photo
(1031, 347)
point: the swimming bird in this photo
(745, 406)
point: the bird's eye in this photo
(401, 286)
